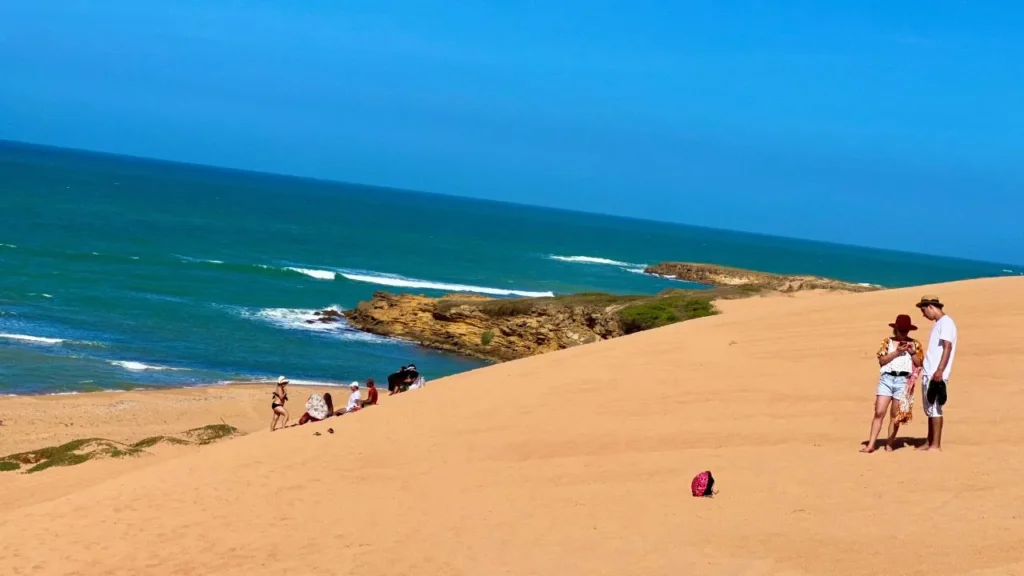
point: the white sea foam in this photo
(33, 339)
(318, 274)
(307, 320)
(316, 383)
(8, 246)
(635, 270)
(141, 367)
(197, 260)
(592, 260)
(402, 282)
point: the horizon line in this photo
(328, 181)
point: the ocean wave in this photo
(7, 246)
(592, 260)
(33, 339)
(637, 270)
(323, 383)
(313, 273)
(307, 320)
(196, 260)
(141, 367)
(403, 282)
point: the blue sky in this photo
(846, 121)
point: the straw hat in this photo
(282, 380)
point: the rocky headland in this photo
(500, 329)
(733, 282)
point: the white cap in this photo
(282, 380)
(354, 385)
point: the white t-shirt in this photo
(353, 401)
(944, 329)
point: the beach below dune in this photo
(40, 421)
(32, 422)
(574, 462)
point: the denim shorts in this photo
(891, 385)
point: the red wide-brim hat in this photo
(903, 323)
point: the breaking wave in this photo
(312, 273)
(307, 320)
(33, 339)
(141, 367)
(403, 282)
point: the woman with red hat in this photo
(898, 357)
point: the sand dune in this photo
(579, 462)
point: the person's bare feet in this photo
(867, 449)
(888, 448)
(934, 449)
(923, 447)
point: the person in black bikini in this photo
(277, 404)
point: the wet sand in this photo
(579, 462)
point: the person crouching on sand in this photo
(277, 404)
(898, 357)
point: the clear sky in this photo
(883, 123)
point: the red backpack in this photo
(703, 485)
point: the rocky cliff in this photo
(506, 329)
(488, 328)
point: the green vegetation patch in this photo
(154, 440)
(85, 449)
(210, 433)
(486, 337)
(663, 310)
(69, 454)
(508, 307)
(7, 466)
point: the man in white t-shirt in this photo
(354, 398)
(938, 363)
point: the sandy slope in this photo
(579, 462)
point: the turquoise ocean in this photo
(118, 272)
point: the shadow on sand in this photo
(900, 442)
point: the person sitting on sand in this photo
(354, 399)
(277, 404)
(898, 357)
(317, 408)
(371, 394)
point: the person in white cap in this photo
(277, 404)
(354, 399)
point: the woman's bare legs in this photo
(894, 426)
(881, 407)
(278, 413)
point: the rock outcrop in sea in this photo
(749, 282)
(488, 328)
(498, 329)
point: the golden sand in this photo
(575, 462)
